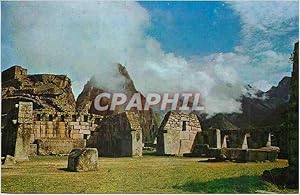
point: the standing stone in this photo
(24, 131)
(83, 160)
(218, 137)
(224, 145)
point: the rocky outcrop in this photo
(85, 102)
(46, 91)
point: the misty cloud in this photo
(85, 39)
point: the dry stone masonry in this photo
(118, 135)
(177, 133)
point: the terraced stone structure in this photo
(177, 133)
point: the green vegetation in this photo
(148, 174)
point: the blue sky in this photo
(214, 48)
(194, 28)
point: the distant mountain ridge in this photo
(265, 109)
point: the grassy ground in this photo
(148, 174)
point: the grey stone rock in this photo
(85, 159)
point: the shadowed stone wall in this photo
(118, 135)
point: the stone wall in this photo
(52, 132)
(52, 146)
(118, 135)
(177, 133)
(63, 125)
(14, 72)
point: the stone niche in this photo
(118, 135)
(177, 133)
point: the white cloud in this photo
(262, 85)
(269, 29)
(268, 16)
(85, 39)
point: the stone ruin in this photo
(27, 132)
(236, 145)
(118, 135)
(180, 134)
(39, 118)
(177, 133)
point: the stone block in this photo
(77, 136)
(73, 123)
(85, 132)
(77, 126)
(83, 160)
(83, 123)
(75, 131)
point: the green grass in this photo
(148, 174)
